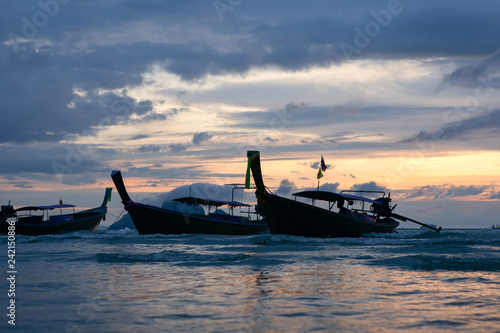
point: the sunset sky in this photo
(401, 96)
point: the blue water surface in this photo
(119, 281)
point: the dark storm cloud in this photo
(21, 184)
(151, 149)
(461, 129)
(370, 186)
(446, 191)
(178, 147)
(300, 35)
(300, 115)
(51, 48)
(199, 138)
(40, 159)
(139, 137)
(158, 173)
(326, 33)
(39, 104)
(482, 74)
(296, 115)
(149, 116)
(65, 163)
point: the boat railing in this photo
(363, 191)
(197, 207)
(362, 210)
(186, 208)
(229, 218)
(30, 219)
(243, 187)
(61, 218)
(249, 214)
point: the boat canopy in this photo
(332, 196)
(211, 202)
(44, 207)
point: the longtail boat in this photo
(155, 220)
(293, 217)
(52, 219)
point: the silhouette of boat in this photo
(292, 217)
(54, 219)
(155, 220)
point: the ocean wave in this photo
(171, 256)
(403, 237)
(440, 263)
(446, 237)
(81, 234)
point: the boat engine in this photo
(384, 208)
(8, 211)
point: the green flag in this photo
(247, 178)
(320, 173)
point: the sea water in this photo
(119, 281)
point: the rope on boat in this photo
(117, 217)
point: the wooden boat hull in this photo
(85, 220)
(154, 220)
(289, 217)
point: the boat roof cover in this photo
(332, 196)
(211, 202)
(44, 207)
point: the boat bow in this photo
(120, 187)
(254, 161)
(107, 196)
